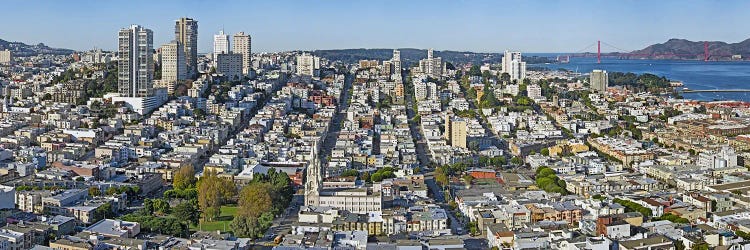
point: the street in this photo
(335, 126)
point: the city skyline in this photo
(544, 26)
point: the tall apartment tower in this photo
(513, 65)
(6, 57)
(458, 132)
(186, 33)
(306, 64)
(432, 66)
(599, 80)
(397, 64)
(242, 44)
(135, 67)
(447, 132)
(173, 66)
(221, 44)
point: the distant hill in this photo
(410, 56)
(692, 50)
(22, 49)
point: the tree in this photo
(148, 206)
(473, 228)
(678, 245)
(112, 191)
(516, 161)
(94, 191)
(366, 177)
(350, 172)
(256, 210)
(103, 212)
(474, 71)
(213, 191)
(252, 227)
(199, 113)
(255, 199)
(187, 212)
(441, 175)
(376, 177)
(161, 206)
(545, 151)
(184, 177)
(468, 179)
(700, 246)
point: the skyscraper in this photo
(186, 33)
(306, 64)
(397, 64)
(221, 44)
(514, 66)
(135, 67)
(432, 66)
(173, 66)
(599, 80)
(242, 44)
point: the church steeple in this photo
(313, 179)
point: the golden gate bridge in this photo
(621, 53)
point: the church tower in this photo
(313, 180)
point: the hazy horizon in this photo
(474, 26)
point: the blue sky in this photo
(482, 26)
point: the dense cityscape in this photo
(158, 146)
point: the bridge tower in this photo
(705, 51)
(598, 51)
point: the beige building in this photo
(306, 64)
(6, 57)
(599, 80)
(173, 67)
(242, 44)
(456, 129)
(186, 33)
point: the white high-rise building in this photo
(186, 33)
(425, 91)
(242, 44)
(397, 64)
(230, 65)
(173, 66)
(306, 64)
(221, 44)
(432, 66)
(534, 91)
(6, 56)
(514, 66)
(135, 67)
(599, 80)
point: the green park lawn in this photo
(221, 224)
